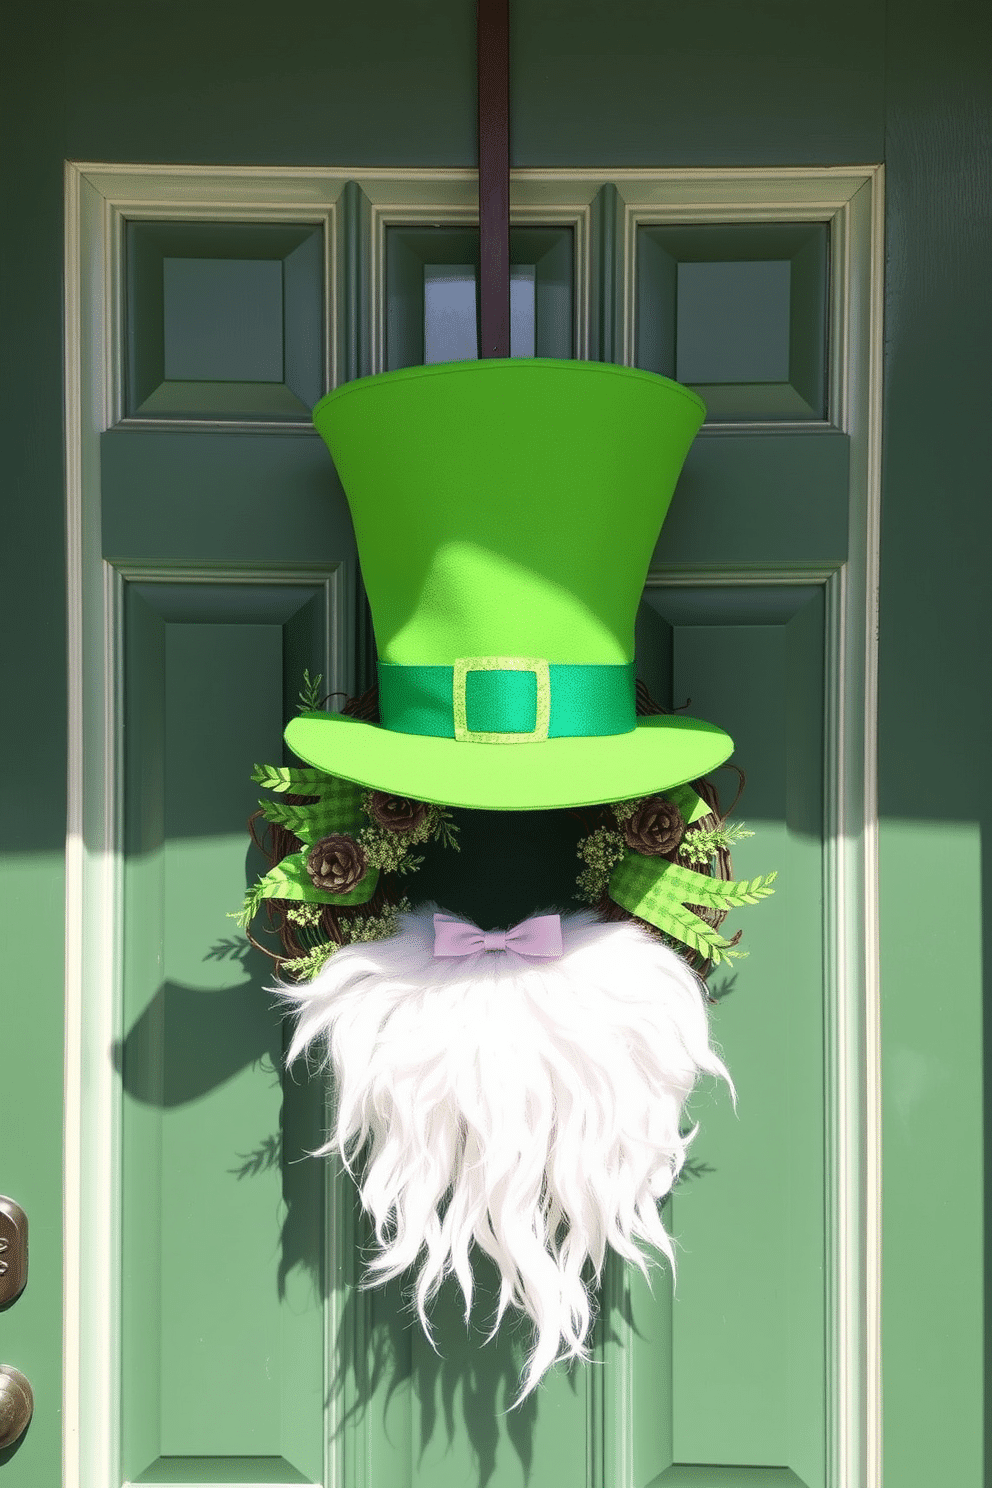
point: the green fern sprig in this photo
(311, 696)
(732, 893)
(697, 935)
(310, 822)
(443, 829)
(302, 782)
(290, 817)
(700, 846)
(252, 904)
(719, 893)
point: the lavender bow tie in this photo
(539, 937)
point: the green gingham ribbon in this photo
(691, 805)
(659, 891)
(338, 808)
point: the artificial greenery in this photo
(699, 848)
(336, 851)
(311, 697)
(361, 928)
(601, 851)
(327, 823)
(652, 860)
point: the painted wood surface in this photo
(774, 88)
(184, 620)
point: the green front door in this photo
(192, 1313)
(244, 1347)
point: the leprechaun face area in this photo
(509, 865)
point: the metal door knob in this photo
(13, 1250)
(16, 1405)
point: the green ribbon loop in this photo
(502, 700)
(660, 892)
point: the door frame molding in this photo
(99, 199)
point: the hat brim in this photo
(543, 775)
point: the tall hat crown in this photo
(506, 513)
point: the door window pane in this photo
(432, 276)
(450, 330)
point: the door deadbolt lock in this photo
(16, 1405)
(13, 1250)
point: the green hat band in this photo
(507, 700)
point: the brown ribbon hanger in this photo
(493, 28)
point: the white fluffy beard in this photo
(529, 1107)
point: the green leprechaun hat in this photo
(506, 513)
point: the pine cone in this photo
(397, 813)
(656, 828)
(336, 864)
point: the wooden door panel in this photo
(222, 1214)
(446, 1425)
(727, 1380)
(222, 497)
(759, 499)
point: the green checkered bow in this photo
(336, 809)
(660, 892)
